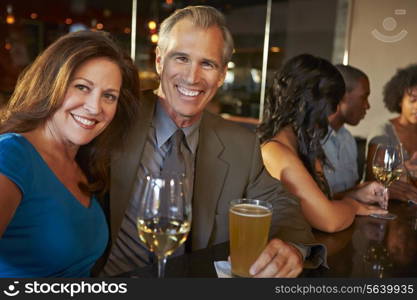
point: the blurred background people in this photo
(303, 94)
(68, 112)
(400, 96)
(342, 172)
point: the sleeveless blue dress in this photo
(51, 233)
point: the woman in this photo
(303, 94)
(400, 96)
(70, 109)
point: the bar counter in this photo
(371, 248)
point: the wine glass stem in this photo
(161, 267)
(386, 201)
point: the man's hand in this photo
(278, 259)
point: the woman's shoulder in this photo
(13, 141)
(281, 147)
(12, 137)
(382, 133)
(285, 139)
(16, 160)
(9, 136)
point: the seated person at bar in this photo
(400, 96)
(222, 159)
(302, 96)
(69, 110)
(339, 145)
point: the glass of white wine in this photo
(387, 166)
(164, 217)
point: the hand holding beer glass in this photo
(249, 222)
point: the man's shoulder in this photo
(346, 134)
(227, 126)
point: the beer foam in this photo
(250, 210)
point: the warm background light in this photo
(154, 38)
(10, 19)
(152, 25)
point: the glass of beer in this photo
(249, 222)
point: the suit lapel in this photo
(125, 164)
(210, 175)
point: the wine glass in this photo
(387, 166)
(164, 218)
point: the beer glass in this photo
(164, 216)
(249, 222)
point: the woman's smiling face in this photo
(89, 104)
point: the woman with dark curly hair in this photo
(303, 94)
(400, 96)
(70, 109)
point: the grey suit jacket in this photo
(228, 166)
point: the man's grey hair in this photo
(350, 75)
(203, 17)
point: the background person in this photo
(302, 96)
(339, 145)
(69, 110)
(223, 160)
(400, 96)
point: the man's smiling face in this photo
(191, 69)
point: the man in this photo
(340, 146)
(223, 160)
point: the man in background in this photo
(339, 145)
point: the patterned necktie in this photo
(174, 161)
(128, 251)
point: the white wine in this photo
(386, 177)
(163, 235)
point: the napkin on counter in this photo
(223, 269)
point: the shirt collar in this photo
(341, 132)
(165, 128)
(333, 133)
